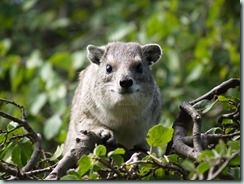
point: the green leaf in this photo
(22, 152)
(188, 165)
(58, 152)
(118, 159)
(62, 60)
(93, 176)
(206, 154)
(72, 175)
(100, 150)
(117, 151)
(159, 135)
(222, 98)
(12, 125)
(226, 102)
(173, 158)
(34, 60)
(52, 127)
(195, 74)
(144, 169)
(214, 130)
(204, 105)
(85, 164)
(159, 173)
(221, 147)
(203, 167)
(16, 156)
(236, 161)
(6, 153)
(234, 145)
(27, 5)
(39, 102)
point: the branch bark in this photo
(192, 146)
(84, 143)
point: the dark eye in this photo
(109, 68)
(139, 68)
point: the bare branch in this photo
(36, 153)
(220, 89)
(39, 171)
(192, 146)
(17, 105)
(209, 138)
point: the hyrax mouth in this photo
(123, 91)
(126, 91)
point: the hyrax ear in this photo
(152, 53)
(95, 53)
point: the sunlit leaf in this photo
(117, 151)
(203, 167)
(100, 150)
(206, 154)
(221, 147)
(58, 152)
(159, 135)
(38, 103)
(234, 145)
(118, 159)
(52, 126)
(85, 164)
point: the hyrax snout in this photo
(117, 97)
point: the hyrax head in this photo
(123, 73)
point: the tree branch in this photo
(196, 130)
(84, 143)
(220, 89)
(36, 153)
(192, 146)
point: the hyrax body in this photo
(117, 97)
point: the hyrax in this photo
(117, 97)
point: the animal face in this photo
(124, 76)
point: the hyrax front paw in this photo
(107, 137)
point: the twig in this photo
(35, 154)
(32, 135)
(221, 168)
(39, 171)
(9, 170)
(22, 123)
(220, 89)
(109, 166)
(209, 138)
(233, 115)
(17, 105)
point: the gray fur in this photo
(101, 105)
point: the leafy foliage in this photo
(43, 47)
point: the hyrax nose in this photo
(126, 83)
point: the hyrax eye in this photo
(139, 68)
(109, 68)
